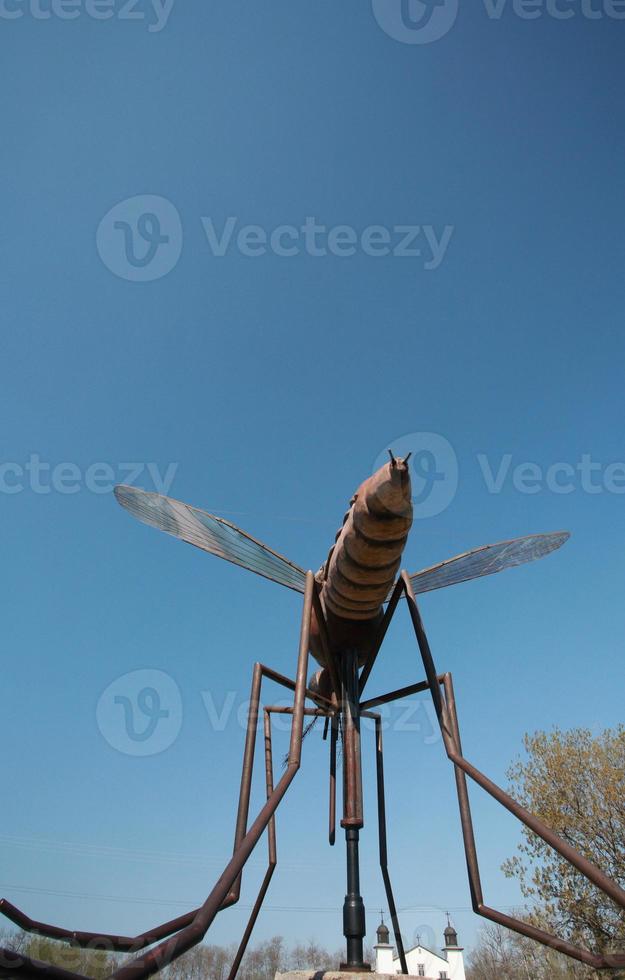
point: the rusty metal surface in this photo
(325, 653)
(343, 626)
(447, 715)
(273, 852)
(378, 637)
(174, 947)
(246, 775)
(193, 926)
(120, 944)
(363, 564)
(352, 766)
(358, 575)
(13, 964)
(179, 935)
(402, 692)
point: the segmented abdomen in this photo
(367, 555)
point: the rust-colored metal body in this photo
(363, 563)
(344, 625)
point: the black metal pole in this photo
(353, 908)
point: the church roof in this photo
(425, 950)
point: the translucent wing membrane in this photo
(487, 560)
(210, 533)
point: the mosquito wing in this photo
(487, 560)
(210, 533)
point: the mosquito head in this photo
(390, 486)
(398, 463)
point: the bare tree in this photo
(504, 955)
(203, 962)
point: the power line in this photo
(130, 900)
(134, 900)
(80, 849)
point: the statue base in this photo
(336, 975)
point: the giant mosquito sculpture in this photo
(343, 625)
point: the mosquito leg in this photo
(334, 734)
(162, 931)
(379, 757)
(166, 952)
(191, 928)
(273, 853)
(14, 964)
(246, 776)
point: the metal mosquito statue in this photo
(347, 608)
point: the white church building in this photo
(421, 961)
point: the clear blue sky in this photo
(274, 382)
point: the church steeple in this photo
(383, 950)
(383, 933)
(451, 936)
(453, 952)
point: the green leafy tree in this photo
(575, 782)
